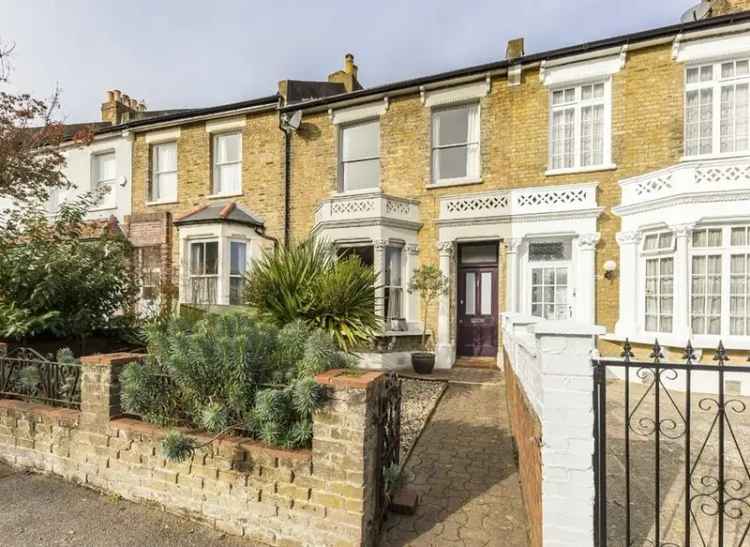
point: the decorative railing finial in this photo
(656, 353)
(689, 354)
(627, 350)
(721, 354)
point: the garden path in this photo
(464, 471)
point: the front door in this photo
(477, 308)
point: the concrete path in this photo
(464, 471)
(36, 510)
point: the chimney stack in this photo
(118, 107)
(347, 76)
(725, 7)
(514, 50)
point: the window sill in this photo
(155, 203)
(98, 209)
(576, 170)
(455, 182)
(364, 191)
(223, 196)
(711, 157)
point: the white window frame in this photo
(578, 104)
(726, 250)
(215, 276)
(108, 201)
(231, 275)
(341, 163)
(659, 253)
(470, 177)
(715, 84)
(156, 173)
(566, 262)
(215, 164)
(392, 289)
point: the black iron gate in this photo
(389, 440)
(671, 458)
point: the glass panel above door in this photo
(485, 253)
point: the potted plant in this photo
(431, 283)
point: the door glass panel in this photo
(486, 301)
(479, 254)
(471, 293)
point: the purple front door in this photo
(477, 311)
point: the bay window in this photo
(227, 164)
(455, 143)
(164, 172)
(359, 161)
(579, 127)
(393, 285)
(717, 117)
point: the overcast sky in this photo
(192, 53)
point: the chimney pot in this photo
(117, 95)
(109, 96)
(126, 99)
(515, 49)
(349, 67)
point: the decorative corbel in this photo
(623, 55)
(676, 46)
(422, 96)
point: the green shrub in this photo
(231, 373)
(307, 282)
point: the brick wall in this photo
(527, 435)
(322, 496)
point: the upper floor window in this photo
(359, 158)
(164, 172)
(579, 127)
(455, 143)
(227, 155)
(716, 108)
(104, 173)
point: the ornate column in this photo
(444, 349)
(627, 325)
(512, 267)
(411, 301)
(681, 280)
(379, 246)
(585, 304)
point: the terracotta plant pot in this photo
(423, 362)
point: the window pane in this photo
(236, 288)
(554, 250)
(693, 75)
(451, 125)
(228, 148)
(479, 254)
(451, 163)
(393, 266)
(486, 289)
(707, 73)
(471, 293)
(196, 259)
(165, 156)
(105, 167)
(228, 178)
(739, 237)
(563, 138)
(165, 188)
(238, 257)
(361, 141)
(212, 258)
(361, 175)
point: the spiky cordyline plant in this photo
(307, 282)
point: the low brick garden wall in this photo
(322, 496)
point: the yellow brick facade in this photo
(647, 130)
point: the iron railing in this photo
(389, 440)
(671, 468)
(26, 374)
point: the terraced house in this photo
(607, 182)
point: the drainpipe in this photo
(287, 178)
(261, 232)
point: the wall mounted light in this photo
(609, 269)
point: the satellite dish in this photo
(292, 122)
(696, 13)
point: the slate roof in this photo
(227, 212)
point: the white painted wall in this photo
(552, 360)
(78, 170)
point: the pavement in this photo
(464, 471)
(38, 510)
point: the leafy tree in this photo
(308, 282)
(430, 282)
(30, 158)
(59, 277)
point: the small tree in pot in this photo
(430, 282)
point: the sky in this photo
(194, 53)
